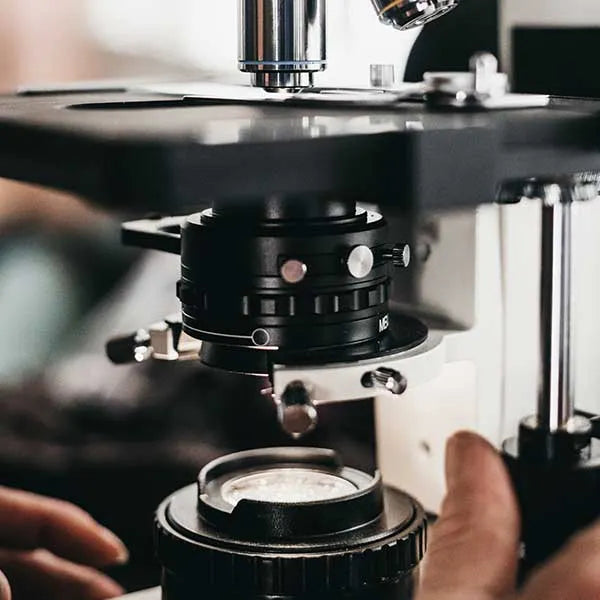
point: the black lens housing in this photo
(236, 300)
(283, 280)
(364, 544)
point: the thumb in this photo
(4, 587)
(473, 552)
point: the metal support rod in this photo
(556, 402)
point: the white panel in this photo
(412, 431)
(586, 304)
(521, 241)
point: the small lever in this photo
(164, 340)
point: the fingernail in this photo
(456, 449)
(451, 461)
(121, 552)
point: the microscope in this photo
(351, 245)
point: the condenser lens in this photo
(287, 485)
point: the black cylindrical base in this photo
(557, 497)
(289, 524)
(175, 588)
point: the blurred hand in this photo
(473, 553)
(33, 205)
(49, 550)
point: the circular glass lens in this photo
(286, 485)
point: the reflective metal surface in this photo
(296, 410)
(556, 403)
(406, 14)
(282, 42)
(360, 261)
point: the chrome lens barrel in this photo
(282, 42)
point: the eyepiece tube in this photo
(282, 42)
(406, 14)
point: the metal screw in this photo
(388, 379)
(360, 261)
(293, 271)
(399, 254)
(296, 411)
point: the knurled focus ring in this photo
(280, 575)
(283, 305)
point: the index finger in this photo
(28, 522)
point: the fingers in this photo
(28, 522)
(474, 544)
(39, 574)
(5, 593)
(574, 573)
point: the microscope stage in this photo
(152, 151)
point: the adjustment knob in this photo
(360, 261)
(293, 271)
(296, 411)
(399, 254)
(135, 347)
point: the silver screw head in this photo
(296, 412)
(387, 379)
(360, 261)
(402, 255)
(293, 271)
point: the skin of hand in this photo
(29, 204)
(51, 549)
(473, 554)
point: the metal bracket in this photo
(164, 340)
(342, 382)
(483, 87)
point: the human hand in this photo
(50, 550)
(473, 553)
(26, 204)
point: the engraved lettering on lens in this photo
(384, 323)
